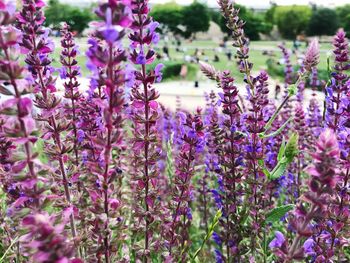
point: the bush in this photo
(196, 18)
(169, 15)
(57, 13)
(172, 70)
(324, 21)
(343, 14)
(292, 20)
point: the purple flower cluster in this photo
(106, 173)
(179, 225)
(324, 178)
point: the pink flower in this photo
(312, 55)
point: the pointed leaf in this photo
(278, 171)
(277, 213)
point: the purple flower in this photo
(63, 73)
(218, 256)
(110, 32)
(153, 26)
(308, 247)
(158, 72)
(80, 136)
(155, 38)
(312, 55)
(278, 241)
(217, 239)
(141, 59)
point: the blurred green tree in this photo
(76, 17)
(292, 20)
(324, 21)
(169, 15)
(196, 18)
(343, 14)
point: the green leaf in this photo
(275, 133)
(170, 160)
(292, 90)
(210, 232)
(292, 147)
(3, 257)
(263, 168)
(277, 213)
(281, 151)
(279, 170)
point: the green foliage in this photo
(170, 160)
(343, 14)
(40, 149)
(270, 14)
(255, 24)
(170, 15)
(209, 233)
(285, 157)
(291, 149)
(292, 20)
(3, 209)
(76, 17)
(196, 18)
(324, 21)
(172, 70)
(277, 213)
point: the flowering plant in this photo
(104, 172)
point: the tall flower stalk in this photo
(324, 177)
(17, 122)
(106, 56)
(193, 141)
(70, 72)
(36, 45)
(145, 108)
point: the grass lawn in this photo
(256, 55)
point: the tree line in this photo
(184, 21)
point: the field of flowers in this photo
(104, 177)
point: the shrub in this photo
(172, 70)
(170, 15)
(324, 21)
(292, 20)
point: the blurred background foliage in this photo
(183, 21)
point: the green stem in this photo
(8, 249)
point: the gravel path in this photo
(190, 96)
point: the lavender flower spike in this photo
(312, 55)
(322, 184)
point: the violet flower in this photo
(106, 100)
(148, 211)
(178, 235)
(17, 122)
(278, 241)
(227, 147)
(51, 242)
(37, 47)
(312, 55)
(322, 184)
(70, 71)
(336, 91)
